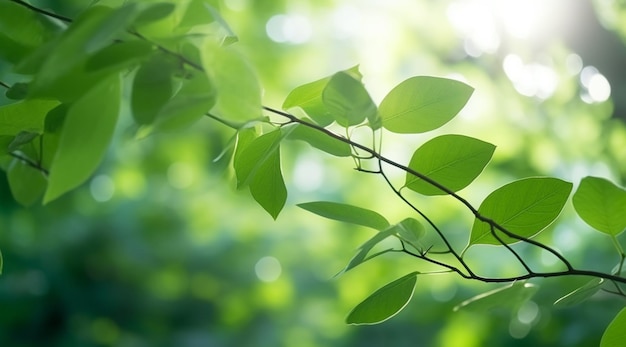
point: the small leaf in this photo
(119, 55)
(27, 184)
(258, 164)
(385, 303)
(601, 204)
(347, 213)
(513, 296)
(267, 185)
(453, 161)
(254, 154)
(309, 98)
(22, 138)
(151, 90)
(423, 103)
(347, 100)
(615, 333)
(234, 78)
(18, 91)
(581, 294)
(523, 207)
(320, 141)
(85, 137)
(154, 12)
(410, 230)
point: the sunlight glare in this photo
(268, 269)
(102, 188)
(289, 28)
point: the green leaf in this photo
(580, 294)
(27, 184)
(22, 138)
(512, 296)
(228, 36)
(119, 55)
(454, 161)
(92, 31)
(523, 207)
(257, 151)
(258, 164)
(239, 96)
(154, 12)
(18, 91)
(21, 24)
(601, 204)
(347, 100)
(410, 230)
(267, 185)
(385, 303)
(309, 98)
(152, 89)
(85, 137)
(347, 213)
(27, 115)
(320, 141)
(423, 103)
(194, 99)
(615, 333)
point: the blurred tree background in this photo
(160, 249)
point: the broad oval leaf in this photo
(524, 207)
(151, 90)
(119, 55)
(320, 141)
(615, 333)
(453, 161)
(601, 204)
(347, 100)
(309, 98)
(423, 103)
(267, 185)
(385, 303)
(346, 213)
(511, 296)
(258, 164)
(233, 77)
(580, 294)
(85, 137)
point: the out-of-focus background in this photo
(160, 249)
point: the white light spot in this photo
(474, 21)
(102, 188)
(586, 74)
(530, 79)
(574, 64)
(308, 174)
(528, 312)
(180, 175)
(599, 88)
(290, 28)
(268, 269)
(520, 18)
(346, 22)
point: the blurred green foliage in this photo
(157, 250)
